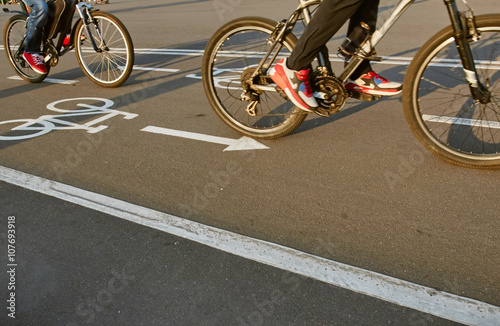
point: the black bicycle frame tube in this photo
(278, 42)
(478, 91)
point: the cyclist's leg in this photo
(364, 79)
(366, 13)
(328, 19)
(37, 20)
(292, 74)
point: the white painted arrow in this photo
(242, 144)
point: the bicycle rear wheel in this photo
(14, 36)
(112, 63)
(438, 104)
(231, 57)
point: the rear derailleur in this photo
(250, 93)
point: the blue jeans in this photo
(37, 20)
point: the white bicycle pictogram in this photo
(47, 123)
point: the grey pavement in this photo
(355, 188)
(81, 267)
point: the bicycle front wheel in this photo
(14, 36)
(230, 59)
(438, 104)
(111, 62)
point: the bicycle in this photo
(450, 96)
(103, 46)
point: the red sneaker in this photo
(36, 62)
(374, 84)
(295, 84)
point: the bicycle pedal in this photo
(363, 96)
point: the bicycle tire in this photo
(113, 65)
(14, 35)
(223, 65)
(437, 101)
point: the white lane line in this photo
(151, 69)
(50, 80)
(393, 60)
(387, 60)
(461, 121)
(414, 296)
(155, 69)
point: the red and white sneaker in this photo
(374, 84)
(295, 84)
(36, 62)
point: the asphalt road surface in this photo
(355, 188)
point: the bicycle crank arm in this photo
(264, 88)
(47, 58)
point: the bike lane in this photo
(177, 176)
(120, 159)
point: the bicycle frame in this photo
(83, 10)
(462, 27)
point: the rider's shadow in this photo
(174, 57)
(353, 106)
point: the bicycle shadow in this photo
(354, 106)
(21, 89)
(155, 7)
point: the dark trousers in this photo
(330, 16)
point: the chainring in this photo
(330, 94)
(50, 50)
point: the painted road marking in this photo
(391, 60)
(388, 60)
(242, 144)
(50, 80)
(461, 121)
(63, 121)
(151, 69)
(403, 293)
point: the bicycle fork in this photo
(83, 11)
(464, 27)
